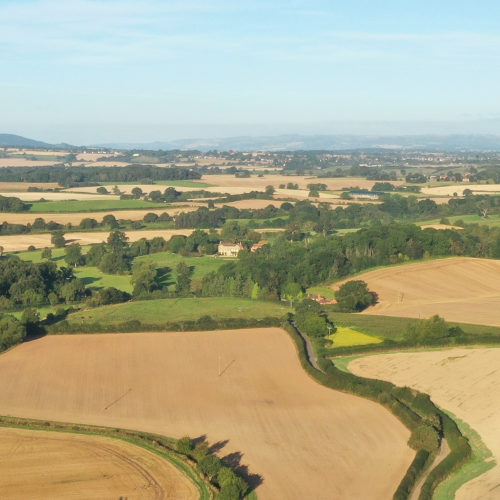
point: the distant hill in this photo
(325, 142)
(21, 142)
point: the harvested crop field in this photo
(20, 243)
(8, 187)
(463, 381)
(48, 465)
(76, 217)
(460, 289)
(61, 196)
(459, 189)
(306, 441)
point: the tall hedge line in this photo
(203, 323)
(412, 407)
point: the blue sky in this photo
(86, 71)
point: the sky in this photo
(86, 71)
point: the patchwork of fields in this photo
(304, 440)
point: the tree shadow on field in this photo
(233, 460)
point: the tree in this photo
(12, 331)
(110, 220)
(292, 291)
(144, 278)
(270, 190)
(73, 291)
(117, 242)
(184, 445)
(354, 296)
(424, 437)
(57, 239)
(74, 255)
(102, 190)
(183, 285)
(137, 192)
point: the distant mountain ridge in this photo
(12, 140)
(296, 142)
(292, 142)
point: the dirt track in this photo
(307, 441)
(50, 465)
(463, 381)
(461, 289)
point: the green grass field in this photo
(348, 337)
(492, 220)
(94, 278)
(395, 329)
(183, 309)
(92, 205)
(166, 262)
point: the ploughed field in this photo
(461, 289)
(244, 389)
(48, 465)
(462, 381)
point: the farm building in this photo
(230, 249)
(321, 300)
(258, 246)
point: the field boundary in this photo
(155, 443)
(413, 408)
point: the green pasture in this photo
(183, 309)
(492, 220)
(92, 205)
(166, 262)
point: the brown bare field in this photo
(305, 440)
(19, 243)
(37, 152)
(463, 381)
(48, 465)
(461, 289)
(459, 189)
(6, 187)
(76, 217)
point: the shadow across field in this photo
(232, 460)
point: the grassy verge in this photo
(480, 462)
(155, 443)
(92, 205)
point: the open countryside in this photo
(263, 408)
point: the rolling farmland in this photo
(461, 289)
(304, 440)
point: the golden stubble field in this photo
(19, 243)
(461, 289)
(459, 189)
(48, 465)
(306, 441)
(76, 217)
(463, 381)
